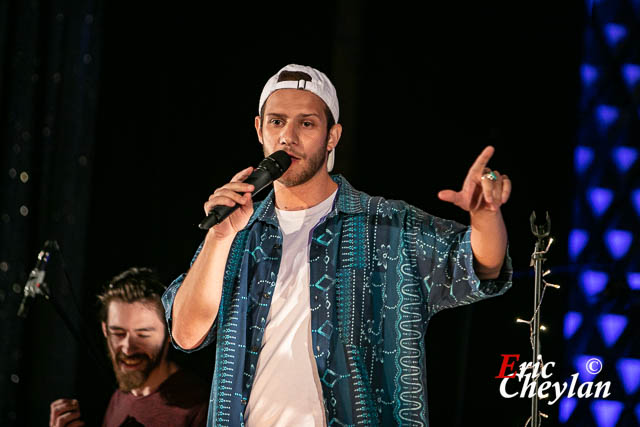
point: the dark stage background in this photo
(163, 114)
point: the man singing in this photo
(320, 295)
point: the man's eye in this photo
(307, 124)
(118, 334)
(144, 336)
(276, 122)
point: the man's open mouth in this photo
(132, 361)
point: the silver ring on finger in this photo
(491, 176)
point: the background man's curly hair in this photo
(132, 285)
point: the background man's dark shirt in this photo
(181, 400)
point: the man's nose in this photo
(128, 345)
(288, 136)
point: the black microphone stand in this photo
(79, 332)
(543, 243)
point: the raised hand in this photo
(482, 189)
(235, 192)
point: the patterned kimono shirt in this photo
(379, 270)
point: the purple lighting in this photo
(629, 373)
(624, 157)
(611, 327)
(633, 279)
(631, 74)
(593, 282)
(577, 241)
(582, 157)
(614, 33)
(618, 242)
(585, 365)
(589, 74)
(606, 412)
(572, 321)
(567, 405)
(635, 198)
(606, 116)
(599, 199)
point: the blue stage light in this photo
(586, 366)
(635, 199)
(606, 165)
(572, 321)
(589, 74)
(599, 199)
(606, 115)
(629, 373)
(611, 327)
(593, 282)
(614, 34)
(606, 412)
(624, 157)
(567, 405)
(631, 74)
(618, 242)
(582, 157)
(577, 241)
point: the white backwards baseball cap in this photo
(317, 83)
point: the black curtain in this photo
(50, 55)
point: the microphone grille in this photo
(277, 163)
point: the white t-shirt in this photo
(286, 390)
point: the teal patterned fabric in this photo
(379, 270)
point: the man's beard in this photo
(314, 162)
(129, 380)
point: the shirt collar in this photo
(347, 201)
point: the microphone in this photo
(35, 283)
(269, 169)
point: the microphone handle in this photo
(260, 179)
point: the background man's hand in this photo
(65, 413)
(479, 192)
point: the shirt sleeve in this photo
(167, 301)
(445, 266)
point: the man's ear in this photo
(334, 136)
(258, 126)
(104, 329)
